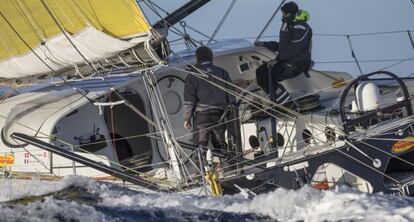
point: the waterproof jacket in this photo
(295, 41)
(200, 93)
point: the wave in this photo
(81, 199)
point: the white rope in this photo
(250, 93)
(251, 102)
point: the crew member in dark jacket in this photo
(205, 102)
(293, 49)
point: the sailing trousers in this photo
(206, 128)
(280, 71)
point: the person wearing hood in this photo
(205, 102)
(293, 51)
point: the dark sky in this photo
(340, 17)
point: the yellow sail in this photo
(34, 22)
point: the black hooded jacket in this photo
(200, 93)
(295, 43)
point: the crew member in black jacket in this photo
(293, 50)
(205, 102)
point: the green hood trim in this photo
(302, 16)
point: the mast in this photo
(179, 14)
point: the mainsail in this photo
(43, 37)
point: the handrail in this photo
(355, 83)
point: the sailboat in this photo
(92, 89)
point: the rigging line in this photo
(161, 102)
(365, 61)
(78, 11)
(55, 19)
(276, 150)
(176, 40)
(314, 34)
(158, 6)
(107, 141)
(332, 150)
(248, 92)
(137, 111)
(126, 168)
(64, 14)
(368, 166)
(130, 105)
(259, 110)
(141, 20)
(264, 109)
(411, 37)
(234, 86)
(112, 127)
(176, 30)
(27, 16)
(385, 152)
(389, 139)
(167, 139)
(397, 63)
(41, 60)
(351, 47)
(222, 21)
(68, 144)
(270, 20)
(281, 160)
(248, 100)
(158, 94)
(36, 28)
(4, 43)
(197, 31)
(201, 73)
(151, 6)
(170, 128)
(37, 159)
(376, 33)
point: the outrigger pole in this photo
(180, 14)
(87, 162)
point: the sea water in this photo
(81, 199)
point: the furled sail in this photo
(43, 37)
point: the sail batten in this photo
(63, 31)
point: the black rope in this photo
(110, 86)
(158, 6)
(65, 34)
(41, 60)
(315, 34)
(397, 63)
(353, 54)
(222, 21)
(364, 61)
(270, 20)
(173, 29)
(376, 33)
(411, 37)
(198, 31)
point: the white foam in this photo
(284, 205)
